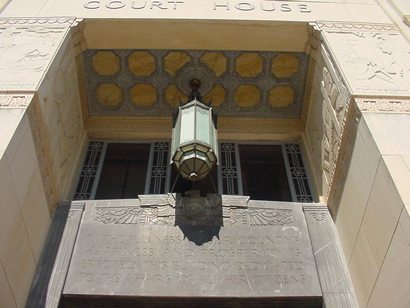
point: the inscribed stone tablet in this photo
(262, 251)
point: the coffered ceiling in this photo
(154, 82)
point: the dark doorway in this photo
(263, 172)
(124, 171)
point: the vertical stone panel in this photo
(334, 276)
(50, 277)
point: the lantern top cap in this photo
(195, 84)
(196, 103)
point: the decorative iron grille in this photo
(229, 170)
(89, 171)
(158, 169)
(298, 176)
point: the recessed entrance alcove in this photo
(164, 247)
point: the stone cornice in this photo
(384, 105)
(334, 26)
(43, 21)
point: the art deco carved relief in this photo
(164, 209)
(26, 49)
(335, 102)
(375, 57)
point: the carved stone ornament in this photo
(197, 211)
(134, 215)
(334, 26)
(38, 21)
(261, 217)
(383, 105)
(335, 103)
(318, 216)
(27, 46)
(374, 58)
(15, 101)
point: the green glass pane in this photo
(202, 125)
(187, 124)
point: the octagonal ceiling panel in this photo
(155, 82)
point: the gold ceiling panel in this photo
(106, 63)
(249, 64)
(174, 96)
(216, 96)
(141, 63)
(174, 61)
(109, 95)
(247, 96)
(143, 95)
(216, 61)
(124, 82)
(281, 96)
(285, 65)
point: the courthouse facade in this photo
(313, 104)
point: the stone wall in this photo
(58, 126)
(24, 216)
(41, 137)
(369, 191)
(359, 152)
(373, 218)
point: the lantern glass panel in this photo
(187, 124)
(190, 164)
(202, 125)
(188, 147)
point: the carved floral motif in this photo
(318, 216)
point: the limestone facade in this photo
(353, 122)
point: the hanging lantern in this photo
(194, 138)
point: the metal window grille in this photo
(298, 179)
(158, 175)
(229, 171)
(89, 172)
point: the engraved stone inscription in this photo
(259, 258)
(158, 5)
